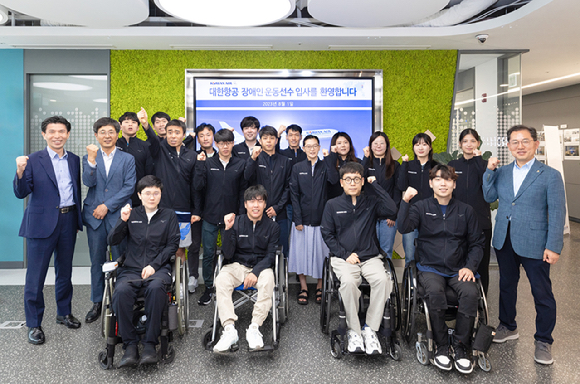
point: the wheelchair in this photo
(414, 305)
(175, 316)
(391, 316)
(279, 308)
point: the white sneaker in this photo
(372, 343)
(254, 337)
(355, 342)
(228, 339)
(192, 284)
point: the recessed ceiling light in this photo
(229, 13)
(63, 86)
(100, 100)
(91, 77)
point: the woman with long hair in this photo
(341, 152)
(415, 173)
(470, 169)
(381, 165)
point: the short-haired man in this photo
(110, 176)
(449, 250)
(249, 247)
(221, 178)
(130, 143)
(51, 177)
(175, 166)
(348, 229)
(272, 170)
(293, 152)
(529, 231)
(152, 236)
(250, 127)
(159, 121)
(205, 137)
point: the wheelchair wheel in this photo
(106, 312)
(422, 355)
(169, 357)
(325, 302)
(335, 349)
(396, 352)
(206, 341)
(282, 290)
(483, 362)
(183, 310)
(405, 306)
(103, 360)
(397, 296)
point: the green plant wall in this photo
(418, 85)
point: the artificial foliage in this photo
(418, 85)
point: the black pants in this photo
(193, 253)
(483, 269)
(128, 288)
(467, 295)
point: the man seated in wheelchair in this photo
(449, 250)
(249, 248)
(349, 229)
(152, 239)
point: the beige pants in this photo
(230, 277)
(373, 270)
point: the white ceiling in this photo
(548, 28)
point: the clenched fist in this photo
(92, 151)
(409, 194)
(229, 220)
(324, 152)
(371, 179)
(367, 151)
(492, 163)
(201, 156)
(405, 158)
(476, 152)
(142, 116)
(256, 150)
(21, 162)
(126, 212)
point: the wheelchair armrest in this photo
(110, 266)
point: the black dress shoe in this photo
(69, 320)
(94, 313)
(130, 358)
(149, 355)
(35, 335)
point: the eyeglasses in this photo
(151, 194)
(516, 143)
(349, 180)
(225, 143)
(309, 147)
(107, 133)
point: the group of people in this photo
(150, 200)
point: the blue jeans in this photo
(209, 234)
(386, 236)
(409, 245)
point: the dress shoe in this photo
(69, 320)
(94, 313)
(35, 335)
(130, 358)
(149, 355)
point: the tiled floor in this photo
(70, 356)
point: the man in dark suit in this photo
(51, 221)
(110, 176)
(529, 232)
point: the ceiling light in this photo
(229, 13)
(551, 80)
(3, 15)
(63, 86)
(91, 77)
(100, 100)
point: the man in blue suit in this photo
(51, 221)
(110, 176)
(529, 231)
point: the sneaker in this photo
(371, 341)
(462, 361)
(355, 342)
(543, 354)
(205, 299)
(442, 360)
(502, 334)
(254, 337)
(228, 339)
(192, 284)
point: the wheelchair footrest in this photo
(265, 348)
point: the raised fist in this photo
(92, 151)
(142, 116)
(182, 119)
(405, 158)
(324, 152)
(476, 152)
(371, 179)
(333, 148)
(409, 194)
(229, 220)
(201, 156)
(256, 150)
(21, 162)
(367, 151)
(492, 163)
(281, 130)
(126, 212)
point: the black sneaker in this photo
(205, 299)
(442, 360)
(462, 360)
